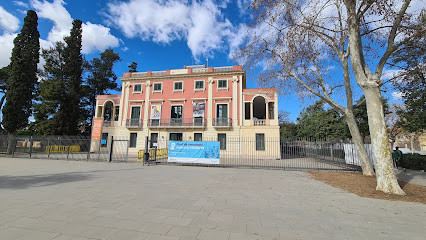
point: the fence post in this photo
(331, 151)
(48, 151)
(31, 145)
(146, 154)
(111, 148)
(127, 150)
(68, 154)
(88, 151)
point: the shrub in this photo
(415, 162)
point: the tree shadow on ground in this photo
(24, 182)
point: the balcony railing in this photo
(222, 69)
(133, 123)
(259, 122)
(177, 122)
(222, 122)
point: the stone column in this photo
(210, 103)
(251, 113)
(234, 101)
(103, 111)
(146, 108)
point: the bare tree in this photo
(299, 43)
(297, 56)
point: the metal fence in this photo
(65, 147)
(289, 154)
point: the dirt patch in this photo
(365, 186)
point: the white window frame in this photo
(199, 89)
(177, 90)
(222, 88)
(157, 91)
(134, 88)
(140, 112)
(175, 105)
(227, 108)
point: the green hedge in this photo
(415, 162)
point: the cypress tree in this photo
(23, 76)
(71, 112)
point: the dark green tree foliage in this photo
(71, 114)
(101, 78)
(4, 76)
(412, 83)
(23, 76)
(318, 123)
(51, 92)
(133, 67)
(288, 130)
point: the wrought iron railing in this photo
(133, 123)
(177, 122)
(222, 122)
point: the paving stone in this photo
(212, 235)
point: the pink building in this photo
(193, 104)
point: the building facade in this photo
(191, 104)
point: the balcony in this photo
(133, 123)
(107, 123)
(259, 122)
(177, 122)
(222, 122)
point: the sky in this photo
(157, 34)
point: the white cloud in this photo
(8, 22)
(397, 95)
(20, 4)
(201, 24)
(6, 45)
(95, 36)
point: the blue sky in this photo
(157, 34)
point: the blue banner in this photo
(194, 152)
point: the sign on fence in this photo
(194, 152)
(97, 129)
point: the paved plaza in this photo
(64, 200)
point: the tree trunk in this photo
(367, 168)
(11, 144)
(386, 179)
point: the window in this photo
(154, 138)
(198, 137)
(271, 110)
(133, 138)
(199, 85)
(247, 110)
(176, 136)
(178, 86)
(137, 88)
(260, 142)
(158, 87)
(117, 113)
(176, 116)
(222, 115)
(221, 137)
(222, 84)
(135, 116)
(104, 140)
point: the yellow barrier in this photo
(62, 149)
(161, 153)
